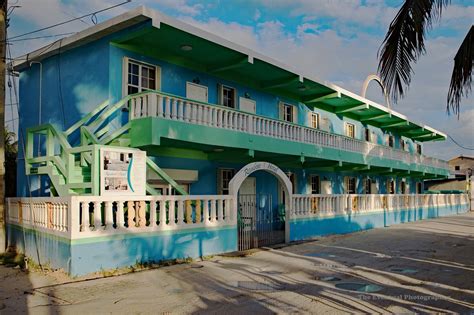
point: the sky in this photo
(336, 40)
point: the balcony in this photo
(167, 120)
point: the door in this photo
(260, 221)
(247, 222)
(196, 92)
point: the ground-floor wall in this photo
(82, 256)
(308, 228)
(208, 172)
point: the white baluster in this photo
(85, 216)
(220, 211)
(172, 214)
(167, 107)
(174, 112)
(162, 209)
(120, 219)
(97, 215)
(180, 212)
(213, 210)
(206, 211)
(109, 220)
(152, 214)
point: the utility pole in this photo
(3, 45)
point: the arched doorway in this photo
(255, 226)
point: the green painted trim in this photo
(123, 236)
(151, 131)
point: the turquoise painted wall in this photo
(90, 255)
(303, 229)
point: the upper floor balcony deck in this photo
(162, 119)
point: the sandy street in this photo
(422, 267)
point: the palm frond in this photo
(461, 79)
(404, 43)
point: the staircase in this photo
(74, 170)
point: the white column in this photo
(97, 215)
(120, 215)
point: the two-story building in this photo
(125, 121)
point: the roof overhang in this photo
(157, 35)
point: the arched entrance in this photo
(255, 226)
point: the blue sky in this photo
(336, 40)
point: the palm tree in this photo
(404, 43)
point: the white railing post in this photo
(97, 215)
(120, 217)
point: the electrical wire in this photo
(69, 21)
(39, 37)
(460, 145)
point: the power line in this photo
(71, 20)
(38, 37)
(460, 145)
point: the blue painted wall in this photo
(303, 229)
(76, 81)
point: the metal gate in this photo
(259, 222)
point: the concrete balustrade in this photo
(327, 205)
(88, 216)
(157, 104)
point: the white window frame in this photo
(389, 186)
(190, 84)
(403, 187)
(126, 61)
(347, 126)
(347, 181)
(390, 137)
(418, 148)
(367, 186)
(313, 119)
(367, 132)
(221, 95)
(294, 112)
(221, 189)
(318, 183)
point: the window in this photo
(403, 187)
(350, 183)
(315, 120)
(287, 113)
(315, 185)
(419, 187)
(140, 77)
(228, 96)
(391, 141)
(418, 148)
(391, 186)
(225, 175)
(457, 168)
(350, 130)
(402, 144)
(367, 186)
(367, 134)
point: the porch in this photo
(84, 234)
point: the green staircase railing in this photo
(75, 170)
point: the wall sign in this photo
(122, 172)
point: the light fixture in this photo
(186, 47)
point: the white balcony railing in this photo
(90, 216)
(157, 104)
(77, 217)
(327, 205)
